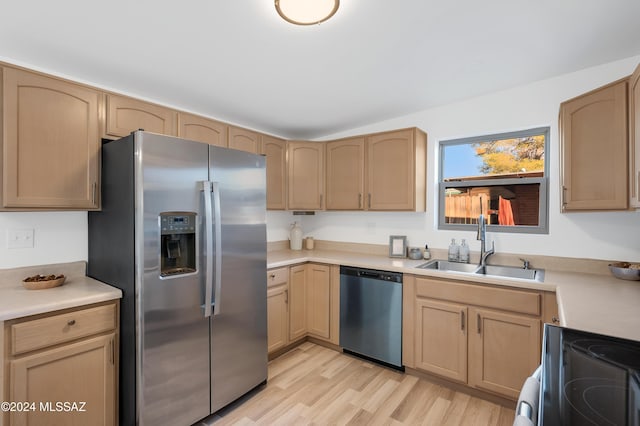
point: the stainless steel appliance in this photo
(182, 233)
(371, 314)
(588, 379)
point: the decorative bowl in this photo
(625, 270)
(414, 253)
(41, 282)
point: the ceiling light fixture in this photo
(306, 12)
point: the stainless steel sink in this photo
(445, 265)
(512, 272)
(487, 270)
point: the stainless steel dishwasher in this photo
(371, 314)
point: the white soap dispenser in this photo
(426, 255)
(464, 251)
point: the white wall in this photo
(58, 237)
(612, 235)
(62, 236)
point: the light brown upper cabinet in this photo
(396, 170)
(126, 115)
(244, 140)
(202, 129)
(51, 143)
(306, 175)
(634, 135)
(345, 174)
(594, 149)
(275, 151)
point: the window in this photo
(502, 176)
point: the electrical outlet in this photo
(20, 238)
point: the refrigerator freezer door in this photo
(173, 338)
(239, 326)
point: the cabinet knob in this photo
(272, 276)
(71, 322)
(555, 320)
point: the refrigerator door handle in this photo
(208, 232)
(217, 306)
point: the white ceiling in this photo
(238, 61)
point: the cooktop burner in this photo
(589, 379)
(590, 400)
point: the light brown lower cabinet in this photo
(504, 349)
(277, 309)
(318, 300)
(441, 338)
(297, 302)
(63, 366)
(302, 300)
(448, 332)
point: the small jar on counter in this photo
(309, 243)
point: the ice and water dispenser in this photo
(177, 243)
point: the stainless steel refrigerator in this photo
(182, 232)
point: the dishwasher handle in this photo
(370, 274)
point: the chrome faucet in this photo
(482, 235)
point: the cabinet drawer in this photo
(525, 302)
(277, 276)
(30, 335)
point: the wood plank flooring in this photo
(314, 385)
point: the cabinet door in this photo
(80, 373)
(503, 351)
(275, 151)
(594, 153)
(244, 140)
(306, 175)
(345, 174)
(391, 172)
(297, 302)
(126, 115)
(634, 134)
(51, 143)
(202, 129)
(277, 317)
(318, 300)
(441, 338)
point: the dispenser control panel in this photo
(177, 224)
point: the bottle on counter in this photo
(426, 254)
(295, 237)
(454, 251)
(464, 252)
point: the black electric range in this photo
(589, 379)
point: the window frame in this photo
(543, 182)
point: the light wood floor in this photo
(314, 385)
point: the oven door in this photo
(528, 402)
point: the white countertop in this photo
(77, 290)
(591, 302)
